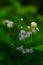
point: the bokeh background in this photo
(29, 10)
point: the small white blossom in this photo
(9, 23)
(23, 32)
(34, 24)
(28, 27)
(19, 48)
(21, 37)
(33, 30)
(28, 34)
(23, 51)
(31, 50)
(21, 19)
(37, 29)
(27, 50)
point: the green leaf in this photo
(5, 36)
(39, 48)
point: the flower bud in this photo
(33, 24)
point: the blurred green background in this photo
(29, 10)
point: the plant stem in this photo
(31, 38)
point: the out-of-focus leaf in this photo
(29, 9)
(39, 48)
(40, 18)
(4, 36)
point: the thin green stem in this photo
(10, 31)
(31, 38)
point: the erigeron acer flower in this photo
(21, 37)
(23, 32)
(33, 30)
(28, 34)
(27, 50)
(10, 24)
(23, 51)
(33, 24)
(19, 48)
(31, 50)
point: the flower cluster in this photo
(22, 34)
(24, 51)
(33, 28)
(9, 23)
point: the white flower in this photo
(31, 50)
(37, 29)
(23, 51)
(28, 27)
(34, 24)
(28, 34)
(23, 32)
(10, 24)
(21, 37)
(19, 48)
(21, 19)
(27, 50)
(33, 30)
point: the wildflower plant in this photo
(31, 30)
(23, 34)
